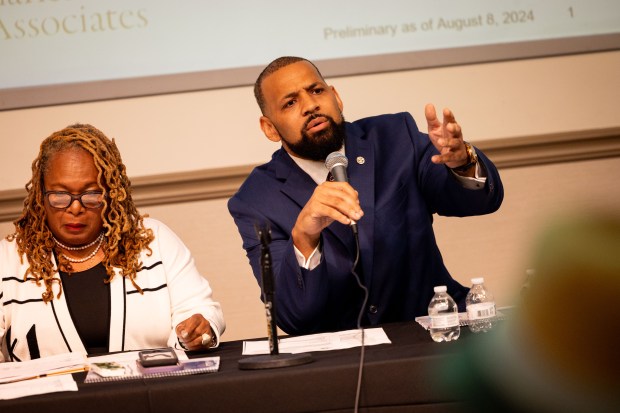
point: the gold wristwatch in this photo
(472, 158)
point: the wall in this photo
(523, 103)
(210, 129)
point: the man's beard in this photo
(317, 147)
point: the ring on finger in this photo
(206, 339)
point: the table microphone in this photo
(268, 288)
(274, 359)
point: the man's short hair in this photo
(271, 68)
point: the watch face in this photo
(472, 158)
(471, 153)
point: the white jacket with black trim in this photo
(173, 291)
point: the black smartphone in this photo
(158, 357)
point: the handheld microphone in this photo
(337, 164)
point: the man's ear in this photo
(269, 129)
(338, 100)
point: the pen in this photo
(68, 371)
(53, 373)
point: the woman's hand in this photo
(196, 333)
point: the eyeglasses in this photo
(62, 199)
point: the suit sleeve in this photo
(301, 295)
(443, 192)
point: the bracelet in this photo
(472, 159)
(182, 345)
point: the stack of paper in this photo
(320, 342)
(46, 366)
(52, 374)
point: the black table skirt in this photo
(401, 376)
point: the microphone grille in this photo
(334, 159)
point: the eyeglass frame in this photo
(74, 197)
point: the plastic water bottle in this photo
(444, 315)
(480, 307)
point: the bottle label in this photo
(444, 320)
(480, 311)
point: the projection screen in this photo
(64, 51)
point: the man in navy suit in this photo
(398, 178)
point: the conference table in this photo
(401, 376)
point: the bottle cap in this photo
(478, 280)
(441, 289)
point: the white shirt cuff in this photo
(476, 182)
(313, 260)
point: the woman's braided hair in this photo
(125, 236)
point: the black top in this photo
(88, 299)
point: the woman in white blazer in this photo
(85, 272)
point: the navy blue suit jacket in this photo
(399, 189)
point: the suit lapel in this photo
(299, 187)
(362, 177)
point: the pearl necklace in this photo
(81, 260)
(83, 247)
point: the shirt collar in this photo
(316, 169)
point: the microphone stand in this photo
(274, 359)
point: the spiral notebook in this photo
(124, 367)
